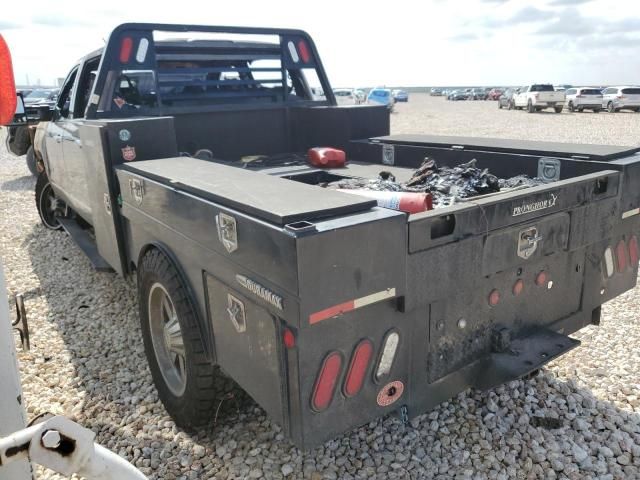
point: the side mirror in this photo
(8, 98)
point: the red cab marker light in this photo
(633, 251)
(358, 368)
(541, 279)
(494, 298)
(126, 46)
(326, 381)
(303, 50)
(621, 256)
(288, 338)
(518, 287)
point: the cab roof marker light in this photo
(293, 52)
(389, 350)
(141, 53)
(608, 262)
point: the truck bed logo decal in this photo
(124, 135)
(351, 305)
(535, 206)
(129, 153)
(260, 291)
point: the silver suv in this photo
(581, 98)
(615, 99)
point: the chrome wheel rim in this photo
(166, 336)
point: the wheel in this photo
(637, 110)
(499, 105)
(530, 107)
(558, 109)
(188, 384)
(32, 161)
(18, 140)
(571, 107)
(511, 105)
(610, 107)
(596, 110)
(49, 207)
(580, 109)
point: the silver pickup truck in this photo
(537, 97)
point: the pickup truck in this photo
(181, 162)
(537, 97)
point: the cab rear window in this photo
(591, 91)
(631, 91)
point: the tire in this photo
(188, 385)
(610, 108)
(49, 207)
(499, 105)
(18, 141)
(580, 109)
(571, 107)
(32, 161)
(530, 107)
(511, 105)
(558, 109)
(597, 110)
(637, 110)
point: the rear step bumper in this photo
(523, 356)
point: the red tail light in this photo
(303, 49)
(326, 381)
(633, 251)
(125, 49)
(541, 278)
(621, 256)
(358, 368)
(518, 287)
(494, 298)
(288, 338)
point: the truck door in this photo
(54, 136)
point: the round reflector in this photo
(288, 338)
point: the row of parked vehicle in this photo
(378, 96)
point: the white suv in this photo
(615, 99)
(582, 98)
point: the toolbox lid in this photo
(528, 147)
(273, 199)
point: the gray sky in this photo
(366, 43)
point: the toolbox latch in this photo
(227, 231)
(528, 242)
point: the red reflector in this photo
(518, 287)
(358, 368)
(326, 381)
(621, 256)
(288, 338)
(303, 50)
(541, 279)
(125, 49)
(494, 298)
(633, 250)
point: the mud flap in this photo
(523, 356)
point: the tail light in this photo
(326, 381)
(389, 349)
(358, 368)
(518, 287)
(621, 256)
(494, 298)
(126, 45)
(608, 262)
(633, 251)
(288, 338)
(541, 278)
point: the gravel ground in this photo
(87, 361)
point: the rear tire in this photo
(188, 385)
(49, 207)
(511, 105)
(571, 107)
(530, 107)
(499, 105)
(32, 161)
(596, 110)
(610, 107)
(558, 109)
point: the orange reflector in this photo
(288, 338)
(125, 49)
(326, 381)
(633, 251)
(303, 50)
(358, 368)
(621, 256)
(541, 278)
(8, 96)
(518, 287)
(494, 298)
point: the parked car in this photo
(42, 96)
(505, 100)
(435, 92)
(577, 99)
(478, 94)
(495, 94)
(537, 97)
(361, 95)
(381, 96)
(400, 96)
(458, 95)
(347, 96)
(615, 99)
